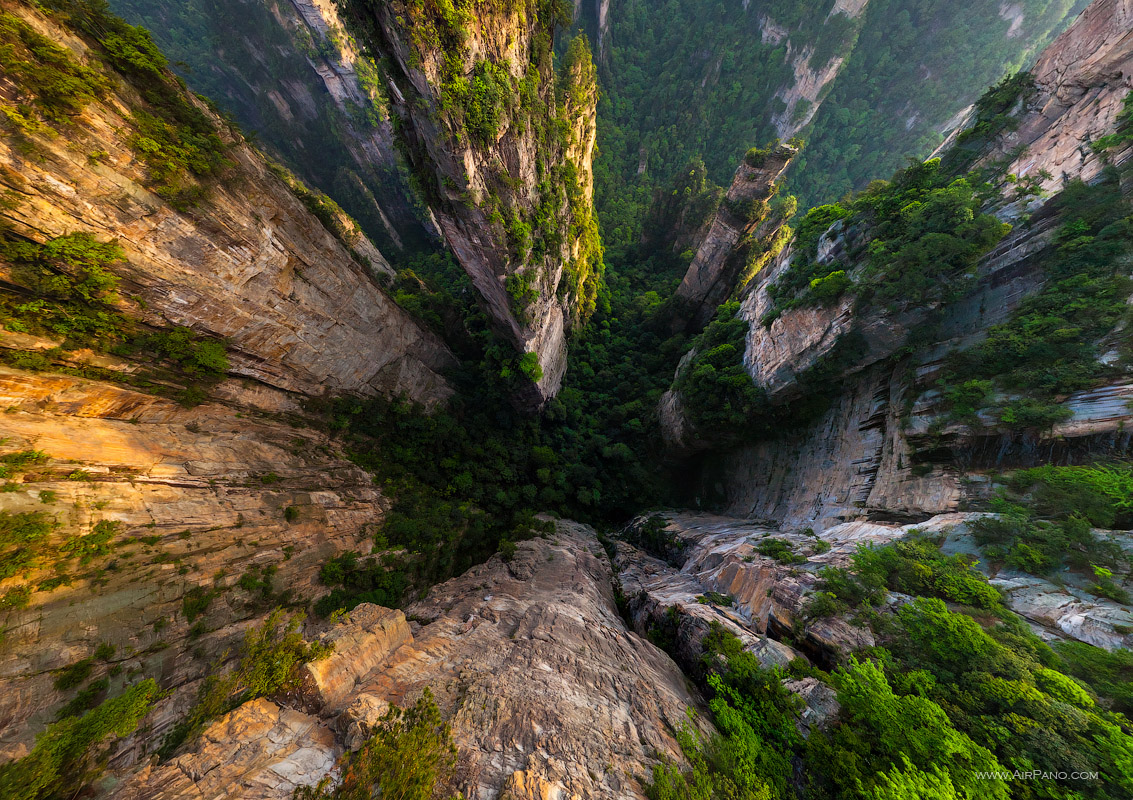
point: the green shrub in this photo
(65, 756)
(409, 752)
(196, 602)
(268, 661)
(48, 82)
(24, 541)
(72, 675)
(507, 550)
(779, 550)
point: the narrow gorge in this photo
(529, 400)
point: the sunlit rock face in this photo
(196, 499)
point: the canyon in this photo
(577, 661)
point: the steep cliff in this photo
(287, 71)
(502, 146)
(743, 236)
(208, 236)
(170, 303)
(887, 364)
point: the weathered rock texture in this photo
(1082, 79)
(198, 498)
(260, 751)
(713, 554)
(803, 97)
(742, 231)
(513, 195)
(547, 692)
(251, 265)
(287, 70)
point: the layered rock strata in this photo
(547, 692)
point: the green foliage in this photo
(99, 542)
(1048, 347)
(73, 287)
(487, 96)
(74, 674)
(779, 550)
(24, 541)
(268, 660)
(409, 752)
(995, 114)
(882, 728)
(177, 140)
(196, 602)
(354, 580)
(1046, 520)
(67, 755)
(924, 234)
(1109, 674)
(507, 550)
(717, 392)
(49, 83)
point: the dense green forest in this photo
(669, 98)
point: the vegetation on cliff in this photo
(956, 700)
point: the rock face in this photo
(760, 600)
(742, 231)
(251, 265)
(504, 146)
(287, 70)
(260, 751)
(1082, 79)
(196, 501)
(802, 98)
(883, 449)
(547, 692)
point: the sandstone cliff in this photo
(742, 237)
(548, 694)
(186, 504)
(898, 455)
(503, 147)
(301, 309)
(1080, 83)
(288, 72)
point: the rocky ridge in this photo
(743, 231)
(547, 692)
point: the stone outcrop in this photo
(547, 692)
(742, 231)
(885, 449)
(718, 576)
(507, 168)
(372, 636)
(812, 81)
(260, 751)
